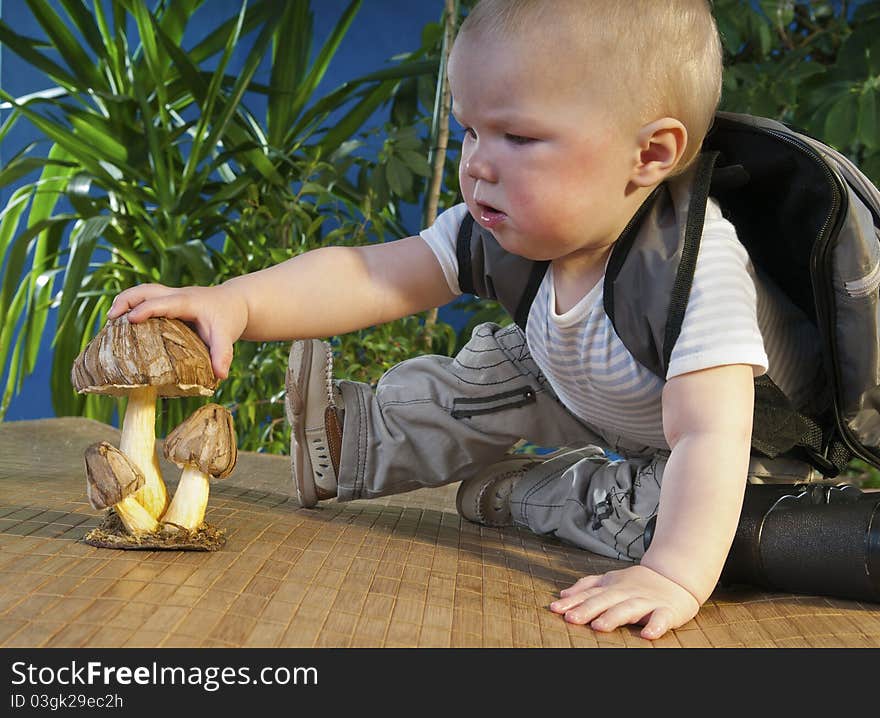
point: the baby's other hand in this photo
(218, 314)
(636, 594)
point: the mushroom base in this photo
(111, 533)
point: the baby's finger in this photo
(173, 305)
(220, 348)
(632, 610)
(593, 606)
(568, 602)
(132, 297)
(581, 585)
(659, 622)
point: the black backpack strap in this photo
(693, 235)
(650, 272)
(536, 276)
(779, 428)
(463, 255)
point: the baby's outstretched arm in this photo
(707, 418)
(327, 291)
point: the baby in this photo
(573, 111)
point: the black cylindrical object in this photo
(814, 539)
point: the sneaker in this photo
(485, 499)
(315, 426)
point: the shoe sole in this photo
(512, 464)
(303, 355)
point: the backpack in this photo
(808, 218)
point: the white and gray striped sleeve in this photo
(441, 237)
(720, 325)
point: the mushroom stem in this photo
(138, 443)
(112, 480)
(187, 509)
(135, 517)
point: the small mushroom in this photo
(157, 357)
(112, 480)
(204, 445)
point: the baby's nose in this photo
(479, 167)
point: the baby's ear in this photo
(660, 146)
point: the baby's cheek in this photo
(465, 183)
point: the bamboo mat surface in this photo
(402, 571)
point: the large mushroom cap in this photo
(111, 476)
(206, 441)
(159, 352)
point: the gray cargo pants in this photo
(434, 420)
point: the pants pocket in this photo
(464, 407)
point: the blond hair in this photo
(660, 58)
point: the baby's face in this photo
(544, 166)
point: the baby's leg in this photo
(590, 501)
(604, 506)
(435, 420)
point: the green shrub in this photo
(172, 179)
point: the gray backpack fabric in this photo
(810, 221)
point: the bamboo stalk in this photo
(440, 134)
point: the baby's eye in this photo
(518, 139)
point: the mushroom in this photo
(157, 357)
(204, 446)
(111, 481)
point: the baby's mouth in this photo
(490, 216)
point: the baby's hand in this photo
(636, 594)
(219, 315)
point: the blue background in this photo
(382, 29)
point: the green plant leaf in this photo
(17, 169)
(193, 256)
(150, 45)
(319, 68)
(9, 222)
(398, 176)
(24, 48)
(73, 334)
(10, 351)
(216, 40)
(83, 239)
(115, 63)
(66, 44)
(40, 283)
(18, 251)
(291, 47)
(162, 182)
(9, 123)
(53, 182)
(779, 12)
(416, 162)
(58, 133)
(174, 18)
(231, 103)
(868, 126)
(85, 23)
(841, 124)
(202, 140)
(348, 90)
(98, 133)
(185, 65)
(356, 117)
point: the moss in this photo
(111, 533)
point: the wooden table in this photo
(401, 571)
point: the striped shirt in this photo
(733, 317)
